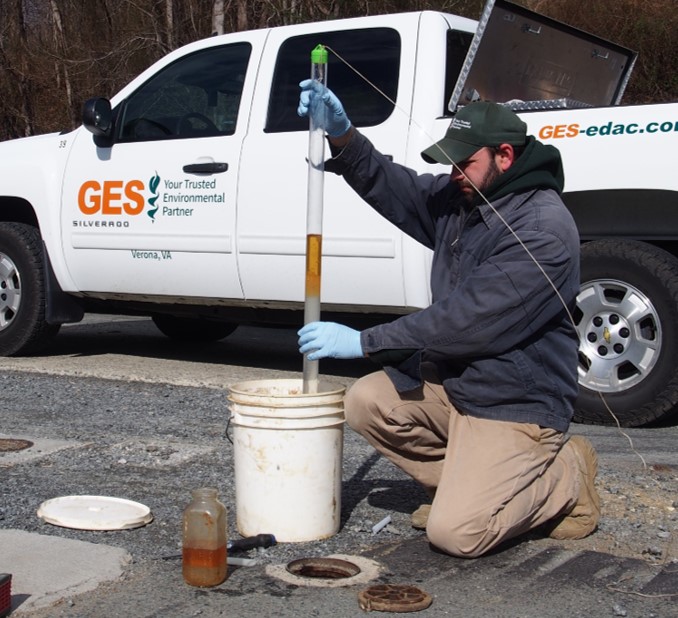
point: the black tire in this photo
(23, 328)
(192, 329)
(627, 320)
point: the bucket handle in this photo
(228, 425)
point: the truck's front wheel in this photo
(23, 328)
(627, 320)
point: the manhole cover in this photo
(8, 445)
(394, 598)
(323, 568)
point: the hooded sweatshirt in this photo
(502, 340)
(539, 167)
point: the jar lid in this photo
(94, 513)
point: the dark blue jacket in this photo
(502, 338)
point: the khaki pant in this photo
(492, 480)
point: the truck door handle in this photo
(212, 167)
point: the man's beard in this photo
(493, 172)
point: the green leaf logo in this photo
(153, 185)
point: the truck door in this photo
(362, 253)
(154, 213)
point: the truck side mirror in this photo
(97, 117)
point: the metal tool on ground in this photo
(251, 542)
(314, 211)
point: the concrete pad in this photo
(46, 569)
(41, 448)
(154, 452)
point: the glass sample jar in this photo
(204, 539)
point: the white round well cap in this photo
(94, 513)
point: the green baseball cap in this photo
(474, 126)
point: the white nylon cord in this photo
(475, 188)
(504, 222)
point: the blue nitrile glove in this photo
(329, 340)
(336, 121)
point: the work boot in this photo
(582, 520)
(420, 517)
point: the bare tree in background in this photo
(16, 106)
(60, 58)
(218, 17)
(89, 51)
(169, 24)
(242, 22)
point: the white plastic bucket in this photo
(288, 450)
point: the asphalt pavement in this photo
(114, 409)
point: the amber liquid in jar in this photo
(204, 567)
(204, 540)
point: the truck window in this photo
(196, 96)
(373, 52)
(457, 47)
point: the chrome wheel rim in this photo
(620, 336)
(10, 291)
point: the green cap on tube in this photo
(319, 55)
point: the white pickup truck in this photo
(184, 196)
